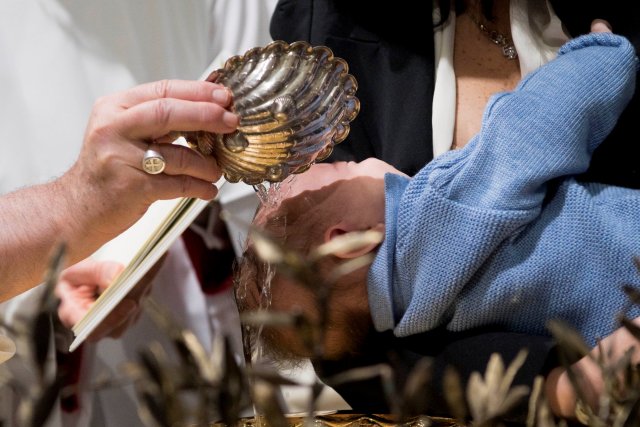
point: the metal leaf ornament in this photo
(415, 396)
(454, 393)
(347, 242)
(7, 349)
(158, 389)
(295, 102)
(304, 268)
(493, 396)
(539, 413)
(380, 370)
(632, 293)
(47, 308)
(268, 401)
(35, 412)
(231, 394)
(571, 343)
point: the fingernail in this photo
(600, 26)
(230, 119)
(221, 96)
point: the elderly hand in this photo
(107, 184)
(81, 284)
(106, 190)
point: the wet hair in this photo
(296, 225)
(277, 344)
(250, 277)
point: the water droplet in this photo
(262, 193)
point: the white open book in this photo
(139, 248)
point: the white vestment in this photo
(58, 57)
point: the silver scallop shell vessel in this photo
(295, 103)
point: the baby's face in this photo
(323, 174)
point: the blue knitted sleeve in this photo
(445, 223)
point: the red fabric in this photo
(213, 267)
(69, 365)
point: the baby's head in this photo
(316, 206)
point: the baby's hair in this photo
(250, 277)
(289, 224)
(295, 225)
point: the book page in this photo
(140, 247)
